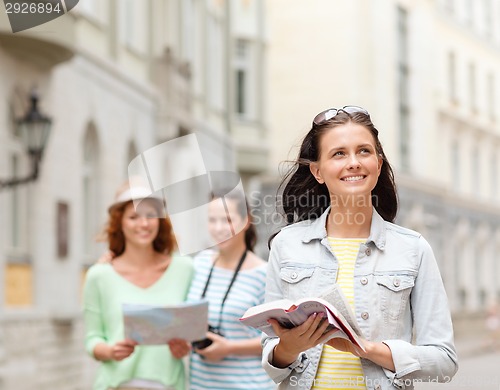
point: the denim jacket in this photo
(399, 300)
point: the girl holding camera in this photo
(232, 279)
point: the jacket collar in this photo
(317, 229)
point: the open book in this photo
(156, 325)
(290, 314)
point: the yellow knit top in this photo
(337, 369)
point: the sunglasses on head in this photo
(332, 112)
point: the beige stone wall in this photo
(43, 353)
(127, 79)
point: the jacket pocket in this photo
(394, 291)
(296, 281)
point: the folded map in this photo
(156, 325)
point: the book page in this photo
(156, 325)
(309, 307)
(336, 298)
(258, 318)
(297, 315)
(335, 318)
(281, 304)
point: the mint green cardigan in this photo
(105, 291)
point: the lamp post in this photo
(34, 130)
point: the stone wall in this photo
(38, 352)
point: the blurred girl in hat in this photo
(144, 271)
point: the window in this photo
(18, 285)
(90, 184)
(241, 102)
(479, 271)
(455, 166)
(462, 297)
(127, 22)
(458, 267)
(133, 16)
(449, 6)
(482, 296)
(472, 88)
(216, 82)
(469, 12)
(14, 130)
(491, 98)
(452, 77)
(243, 71)
(188, 29)
(96, 10)
(198, 46)
(403, 84)
(488, 15)
(131, 154)
(496, 266)
(88, 6)
(475, 173)
(494, 175)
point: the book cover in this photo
(290, 314)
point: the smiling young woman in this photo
(145, 270)
(232, 278)
(339, 201)
(349, 167)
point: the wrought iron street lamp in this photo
(34, 130)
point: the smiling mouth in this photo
(353, 178)
(144, 234)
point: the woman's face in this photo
(226, 228)
(348, 163)
(140, 227)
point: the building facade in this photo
(117, 77)
(429, 74)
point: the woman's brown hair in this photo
(163, 243)
(304, 198)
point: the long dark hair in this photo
(243, 210)
(304, 198)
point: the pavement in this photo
(472, 338)
(478, 365)
(477, 344)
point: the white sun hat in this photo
(137, 193)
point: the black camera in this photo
(203, 343)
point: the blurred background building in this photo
(428, 72)
(116, 77)
(120, 76)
